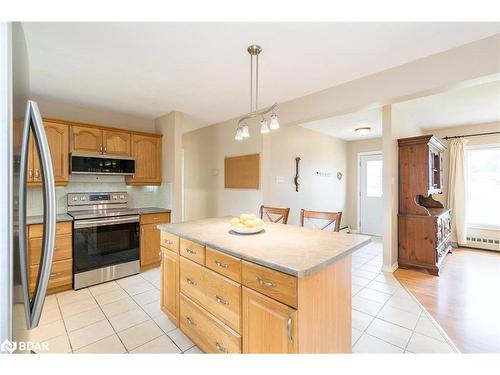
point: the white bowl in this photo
(246, 230)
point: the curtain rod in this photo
(469, 135)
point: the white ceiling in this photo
(342, 127)
(149, 69)
(466, 106)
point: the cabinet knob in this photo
(220, 348)
(265, 283)
(221, 264)
(168, 242)
(190, 281)
(190, 321)
(222, 301)
(189, 251)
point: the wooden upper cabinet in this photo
(86, 139)
(57, 138)
(116, 142)
(147, 153)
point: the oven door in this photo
(104, 242)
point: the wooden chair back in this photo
(332, 217)
(281, 214)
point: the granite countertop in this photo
(151, 210)
(38, 219)
(290, 249)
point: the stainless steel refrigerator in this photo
(20, 310)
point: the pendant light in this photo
(242, 130)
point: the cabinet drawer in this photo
(36, 230)
(224, 264)
(61, 274)
(210, 334)
(160, 218)
(192, 250)
(63, 249)
(218, 294)
(169, 241)
(272, 283)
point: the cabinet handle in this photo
(55, 274)
(189, 251)
(221, 265)
(289, 328)
(222, 301)
(190, 321)
(30, 173)
(100, 147)
(220, 348)
(105, 148)
(37, 174)
(265, 283)
(190, 281)
(168, 242)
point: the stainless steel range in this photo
(105, 237)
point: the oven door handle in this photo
(102, 222)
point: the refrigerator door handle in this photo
(34, 306)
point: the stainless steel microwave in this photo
(93, 164)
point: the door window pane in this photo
(483, 186)
(374, 178)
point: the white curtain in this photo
(456, 190)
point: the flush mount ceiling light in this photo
(242, 131)
(363, 131)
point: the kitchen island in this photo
(284, 290)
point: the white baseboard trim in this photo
(390, 268)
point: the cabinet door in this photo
(58, 139)
(147, 153)
(169, 286)
(86, 140)
(116, 142)
(150, 245)
(268, 325)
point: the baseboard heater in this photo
(483, 243)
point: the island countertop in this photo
(290, 249)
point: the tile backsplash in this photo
(139, 196)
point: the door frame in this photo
(358, 187)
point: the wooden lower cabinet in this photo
(150, 239)
(169, 284)
(268, 325)
(61, 276)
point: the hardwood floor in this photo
(464, 300)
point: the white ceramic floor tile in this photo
(78, 307)
(108, 345)
(356, 334)
(397, 316)
(355, 289)
(365, 305)
(164, 323)
(162, 344)
(388, 288)
(90, 334)
(424, 344)
(193, 350)
(361, 281)
(110, 286)
(370, 268)
(83, 319)
(370, 344)
(180, 339)
(427, 328)
(57, 345)
(50, 302)
(151, 275)
(50, 315)
(112, 296)
(389, 332)
(130, 280)
(47, 331)
(365, 274)
(140, 334)
(139, 288)
(128, 319)
(374, 295)
(153, 309)
(360, 320)
(118, 307)
(147, 297)
(72, 296)
(404, 302)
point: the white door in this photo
(370, 194)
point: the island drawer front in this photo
(193, 251)
(170, 241)
(224, 264)
(160, 218)
(61, 274)
(272, 283)
(210, 334)
(36, 230)
(63, 249)
(218, 294)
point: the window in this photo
(483, 186)
(374, 178)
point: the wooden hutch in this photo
(424, 224)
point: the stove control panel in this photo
(80, 199)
